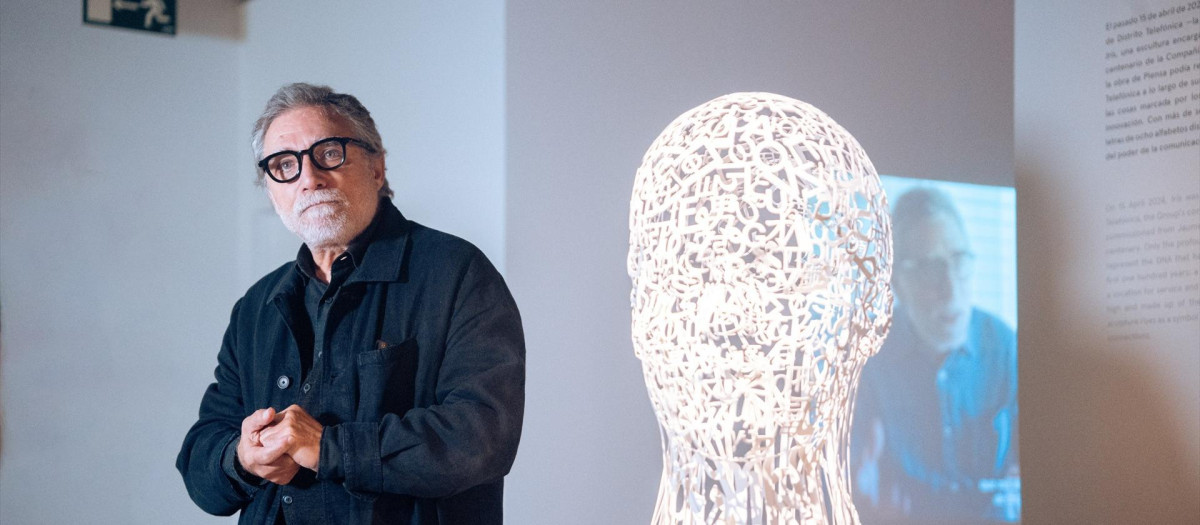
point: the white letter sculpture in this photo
(760, 253)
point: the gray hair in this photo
(919, 204)
(300, 95)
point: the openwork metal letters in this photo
(760, 253)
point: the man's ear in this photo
(380, 171)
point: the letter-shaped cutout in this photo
(760, 254)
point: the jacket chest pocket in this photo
(386, 380)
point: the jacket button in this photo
(307, 387)
(287, 500)
(283, 382)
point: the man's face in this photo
(932, 280)
(325, 208)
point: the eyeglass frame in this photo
(262, 164)
(958, 265)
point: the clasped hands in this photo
(274, 445)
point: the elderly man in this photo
(378, 378)
(935, 425)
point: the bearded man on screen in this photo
(935, 425)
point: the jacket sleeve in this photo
(469, 436)
(207, 460)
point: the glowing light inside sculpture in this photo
(760, 253)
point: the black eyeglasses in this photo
(284, 167)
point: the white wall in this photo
(926, 87)
(1110, 427)
(115, 260)
(129, 224)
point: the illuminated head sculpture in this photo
(760, 253)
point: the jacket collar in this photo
(386, 258)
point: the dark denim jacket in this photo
(425, 423)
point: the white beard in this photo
(321, 225)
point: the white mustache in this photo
(317, 197)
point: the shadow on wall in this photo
(1100, 443)
(1110, 448)
(223, 19)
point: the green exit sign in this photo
(157, 16)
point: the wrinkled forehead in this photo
(938, 234)
(298, 128)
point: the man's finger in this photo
(294, 410)
(259, 419)
(269, 454)
(272, 435)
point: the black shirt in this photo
(315, 362)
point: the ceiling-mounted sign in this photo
(148, 15)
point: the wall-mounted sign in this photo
(148, 15)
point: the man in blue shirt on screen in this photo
(935, 428)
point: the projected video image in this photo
(935, 435)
